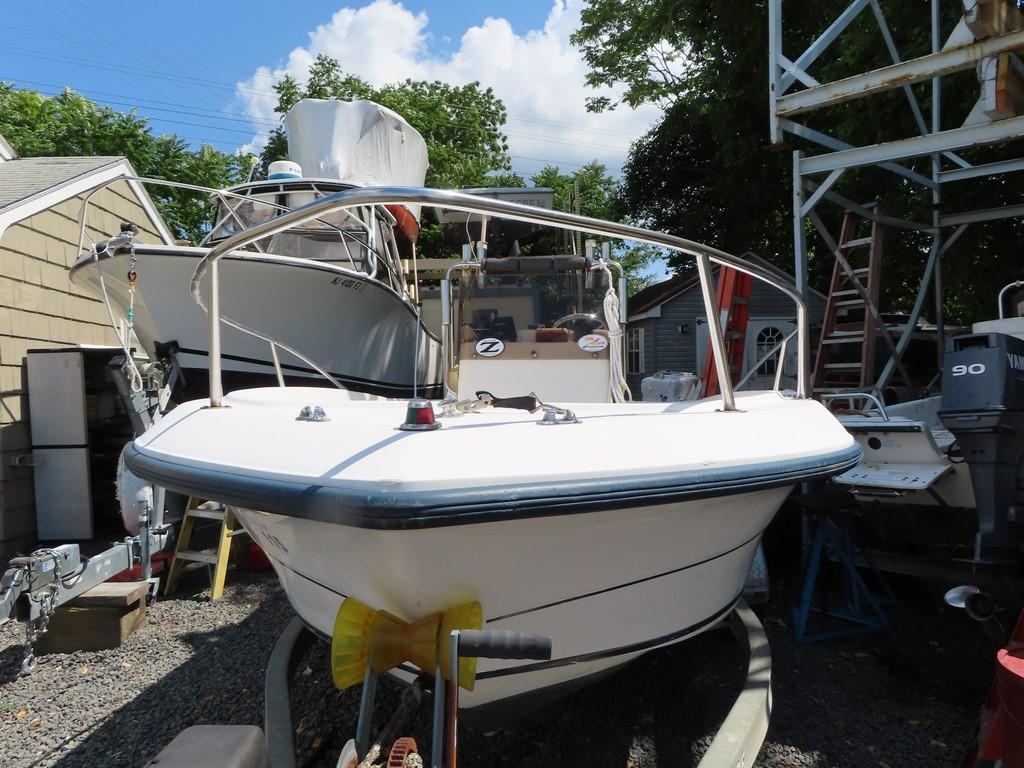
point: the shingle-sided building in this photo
(40, 204)
(667, 329)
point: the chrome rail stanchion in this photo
(782, 362)
(707, 290)
(277, 364)
(216, 386)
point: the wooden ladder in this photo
(733, 292)
(198, 509)
(846, 352)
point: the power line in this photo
(134, 101)
(249, 132)
(235, 88)
(206, 140)
(158, 107)
(73, 40)
(248, 71)
(137, 40)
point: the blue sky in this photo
(204, 69)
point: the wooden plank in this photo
(111, 594)
(91, 629)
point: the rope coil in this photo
(618, 388)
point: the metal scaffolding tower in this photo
(985, 39)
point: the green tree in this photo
(71, 125)
(461, 125)
(598, 199)
(706, 170)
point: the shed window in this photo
(635, 362)
(767, 339)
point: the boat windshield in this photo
(346, 247)
(510, 307)
(234, 214)
(523, 307)
(340, 237)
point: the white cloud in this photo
(539, 75)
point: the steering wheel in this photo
(577, 317)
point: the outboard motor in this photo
(983, 406)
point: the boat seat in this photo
(554, 334)
(504, 328)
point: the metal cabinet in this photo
(78, 429)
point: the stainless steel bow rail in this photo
(372, 196)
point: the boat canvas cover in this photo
(356, 142)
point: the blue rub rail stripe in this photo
(408, 510)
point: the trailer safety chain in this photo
(370, 761)
(35, 628)
(132, 276)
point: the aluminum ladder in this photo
(732, 297)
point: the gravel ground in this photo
(908, 698)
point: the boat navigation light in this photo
(419, 417)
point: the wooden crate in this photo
(96, 620)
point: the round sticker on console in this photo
(593, 342)
(490, 347)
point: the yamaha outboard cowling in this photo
(983, 406)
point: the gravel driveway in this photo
(908, 698)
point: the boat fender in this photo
(129, 486)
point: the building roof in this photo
(655, 295)
(26, 177)
(32, 184)
(658, 293)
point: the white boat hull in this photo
(663, 574)
(362, 332)
(631, 528)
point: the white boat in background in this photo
(909, 455)
(915, 484)
(614, 527)
(354, 315)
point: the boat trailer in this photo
(736, 744)
(34, 586)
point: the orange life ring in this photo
(406, 226)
